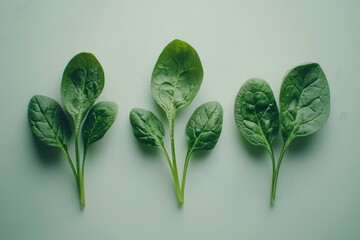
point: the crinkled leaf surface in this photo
(256, 113)
(304, 101)
(48, 122)
(176, 77)
(147, 127)
(82, 83)
(204, 127)
(98, 121)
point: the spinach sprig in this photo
(82, 83)
(176, 79)
(304, 109)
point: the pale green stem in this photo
(77, 153)
(79, 171)
(82, 181)
(65, 151)
(187, 159)
(163, 149)
(275, 177)
(273, 167)
(180, 200)
(174, 175)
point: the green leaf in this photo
(204, 127)
(147, 127)
(82, 83)
(176, 77)
(48, 122)
(304, 101)
(256, 113)
(98, 121)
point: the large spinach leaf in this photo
(304, 101)
(82, 83)
(177, 76)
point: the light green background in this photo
(128, 186)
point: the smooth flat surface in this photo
(129, 188)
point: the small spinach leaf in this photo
(304, 101)
(204, 127)
(177, 77)
(48, 122)
(98, 121)
(147, 127)
(82, 83)
(256, 113)
(202, 132)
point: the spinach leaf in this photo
(256, 113)
(147, 127)
(304, 109)
(204, 127)
(176, 79)
(98, 121)
(202, 132)
(82, 83)
(48, 122)
(177, 76)
(304, 101)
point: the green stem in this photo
(79, 171)
(276, 174)
(163, 149)
(76, 176)
(169, 162)
(65, 151)
(77, 153)
(171, 119)
(82, 182)
(174, 175)
(271, 152)
(187, 159)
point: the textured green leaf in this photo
(98, 121)
(48, 122)
(256, 113)
(204, 127)
(176, 77)
(147, 127)
(82, 83)
(304, 101)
